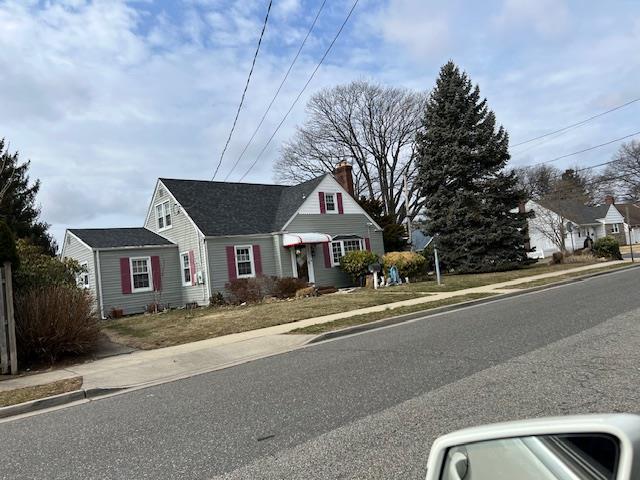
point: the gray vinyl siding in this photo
(333, 224)
(136, 302)
(184, 234)
(76, 250)
(217, 252)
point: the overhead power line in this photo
(244, 92)
(301, 91)
(584, 150)
(284, 79)
(573, 125)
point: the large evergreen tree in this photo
(471, 200)
(18, 208)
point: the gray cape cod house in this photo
(198, 235)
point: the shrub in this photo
(581, 257)
(250, 290)
(55, 320)
(39, 269)
(409, 264)
(356, 264)
(607, 247)
(557, 258)
(286, 287)
(217, 300)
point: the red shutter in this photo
(231, 263)
(322, 205)
(340, 207)
(367, 244)
(327, 255)
(156, 273)
(257, 259)
(125, 275)
(192, 267)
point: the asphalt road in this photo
(365, 406)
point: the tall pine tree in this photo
(471, 200)
(18, 208)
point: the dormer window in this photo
(330, 202)
(163, 215)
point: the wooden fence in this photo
(8, 352)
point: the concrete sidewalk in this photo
(148, 367)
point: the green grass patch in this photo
(388, 313)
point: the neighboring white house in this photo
(575, 223)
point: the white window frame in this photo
(253, 265)
(615, 228)
(166, 212)
(342, 252)
(185, 283)
(334, 198)
(149, 272)
(83, 278)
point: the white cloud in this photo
(549, 18)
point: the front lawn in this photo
(451, 283)
(180, 326)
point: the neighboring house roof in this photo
(575, 211)
(634, 212)
(222, 208)
(419, 240)
(119, 237)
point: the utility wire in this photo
(301, 91)
(284, 79)
(583, 151)
(582, 122)
(253, 64)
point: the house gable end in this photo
(348, 204)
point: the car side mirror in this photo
(586, 447)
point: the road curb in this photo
(456, 306)
(55, 401)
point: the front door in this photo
(302, 263)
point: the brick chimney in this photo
(609, 200)
(343, 175)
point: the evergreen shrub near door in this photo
(356, 264)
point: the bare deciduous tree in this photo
(622, 177)
(371, 126)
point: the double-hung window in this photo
(141, 280)
(83, 276)
(341, 247)
(615, 228)
(330, 202)
(163, 215)
(244, 261)
(186, 268)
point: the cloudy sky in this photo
(106, 96)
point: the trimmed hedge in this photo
(409, 264)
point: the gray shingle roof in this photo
(223, 208)
(576, 211)
(118, 237)
(634, 212)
